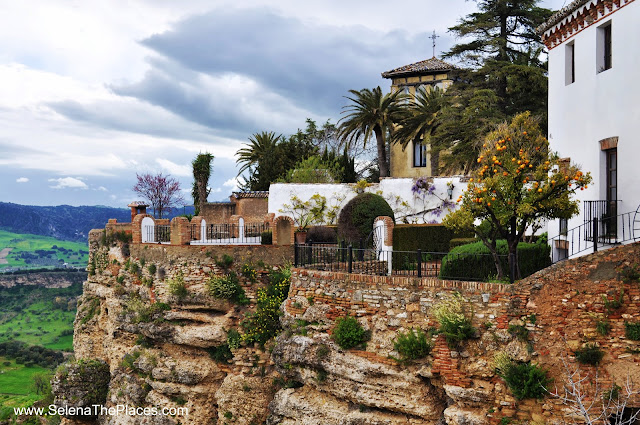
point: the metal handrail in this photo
(595, 233)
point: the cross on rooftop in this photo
(433, 37)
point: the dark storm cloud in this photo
(188, 96)
(312, 66)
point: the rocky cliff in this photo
(165, 347)
(56, 279)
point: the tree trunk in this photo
(382, 152)
(202, 195)
(512, 244)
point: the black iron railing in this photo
(443, 265)
(605, 212)
(157, 234)
(228, 234)
(594, 234)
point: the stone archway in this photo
(283, 230)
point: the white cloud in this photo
(173, 168)
(22, 180)
(102, 189)
(232, 183)
(68, 182)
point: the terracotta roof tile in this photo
(255, 194)
(560, 15)
(427, 65)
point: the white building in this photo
(594, 112)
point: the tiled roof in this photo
(138, 204)
(255, 194)
(427, 65)
(560, 15)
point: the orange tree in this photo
(518, 182)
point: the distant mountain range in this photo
(63, 221)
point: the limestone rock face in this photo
(309, 406)
(244, 398)
(343, 375)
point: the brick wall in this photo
(252, 210)
(218, 212)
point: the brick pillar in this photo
(234, 221)
(388, 225)
(136, 228)
(180, 231)
(196, 224)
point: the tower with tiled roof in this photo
(415, 160)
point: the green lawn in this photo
(25, 247)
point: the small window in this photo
(570, 64)
(603, 48)
(564, 226)
(419, 154)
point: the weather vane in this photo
(433, 37)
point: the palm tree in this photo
(371, 112)
(420, 119)
(261, 145)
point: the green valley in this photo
(26, 251)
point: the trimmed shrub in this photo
(348, 333)
(356, 218)
(427, 237)
(414, 344)
(322, 234)
(474, 262)
(455, 242)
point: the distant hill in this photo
(63, 221)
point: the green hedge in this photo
(427, 237)
(474, 262)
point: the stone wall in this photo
(269, 254)
(542, 319)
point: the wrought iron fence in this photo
(228, 234)
(463, 266)
(596, 233)
(158, 233)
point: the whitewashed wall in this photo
(397, 192)
(598, 106)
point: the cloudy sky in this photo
(94, 91)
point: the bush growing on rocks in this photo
(349, 333)
(590, 354)
(525, 380)
(413, 345)
(455, 325)
(227, 287)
